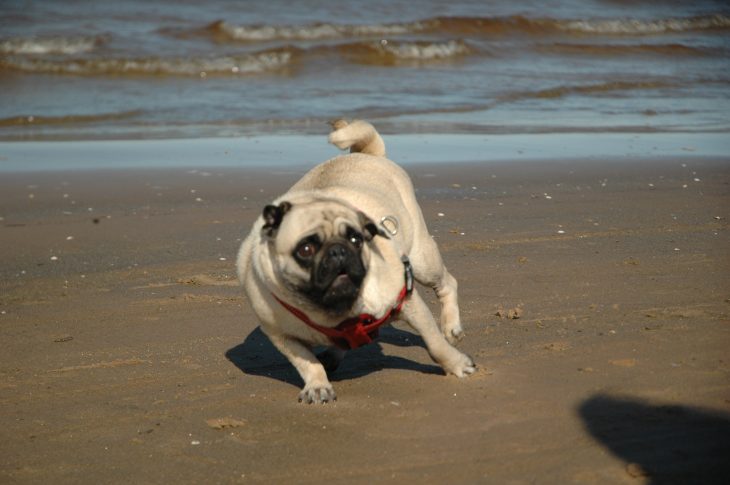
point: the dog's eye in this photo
(306, 250)
(356, 240)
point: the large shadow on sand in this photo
(667, 444)
(257, 356)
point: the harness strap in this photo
(363, 329)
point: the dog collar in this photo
(357, 331)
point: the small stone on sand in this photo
(220, 423)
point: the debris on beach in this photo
(514, 313)
(557, 346)
(623, 362)
(511, 314)
(221, 423)
(212, 280)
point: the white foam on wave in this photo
(423, 51)
(645, 27)
(49, 45)
(314, 31)
(251, 64)
(468, 25)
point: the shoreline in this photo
(282, 151)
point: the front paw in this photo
(461, 366)
(321, 394)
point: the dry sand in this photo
(131, 356)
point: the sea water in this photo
(171, 69)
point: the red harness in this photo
(361, 330)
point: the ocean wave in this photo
(628, 49)
(646, 27)
(255, 63)
(537, 26)
(556, 92)
(259, 33)
(49, 45)
(468, 26)
(390, 52)
(583, 89)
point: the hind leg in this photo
(429, 270)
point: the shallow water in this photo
(139, 69)
(300, 152)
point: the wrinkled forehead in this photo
(326, 220)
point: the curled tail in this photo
(358, 136)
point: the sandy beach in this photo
(131, 355)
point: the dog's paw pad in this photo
(317, 395)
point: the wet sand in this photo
(131, 355)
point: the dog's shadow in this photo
(257, 356)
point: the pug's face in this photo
(320, 250)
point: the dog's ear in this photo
(273, 215)
(369, 228)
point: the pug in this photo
(334, 258)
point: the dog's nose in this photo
(337, 253)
